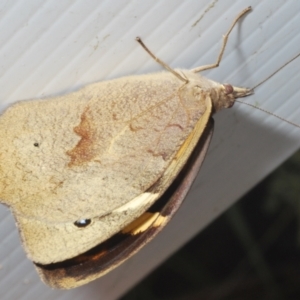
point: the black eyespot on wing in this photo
(82, 223)
(36, 144)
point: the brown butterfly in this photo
(93, 175)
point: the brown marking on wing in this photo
(175, 125)
(86, 149)
(164, 155)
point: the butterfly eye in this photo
(82, 223)
(228, 89)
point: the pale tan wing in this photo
(94, 154)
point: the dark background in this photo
(250, 252)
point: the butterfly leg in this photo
(139, 40)
(225, 38)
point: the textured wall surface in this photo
(52, 47)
